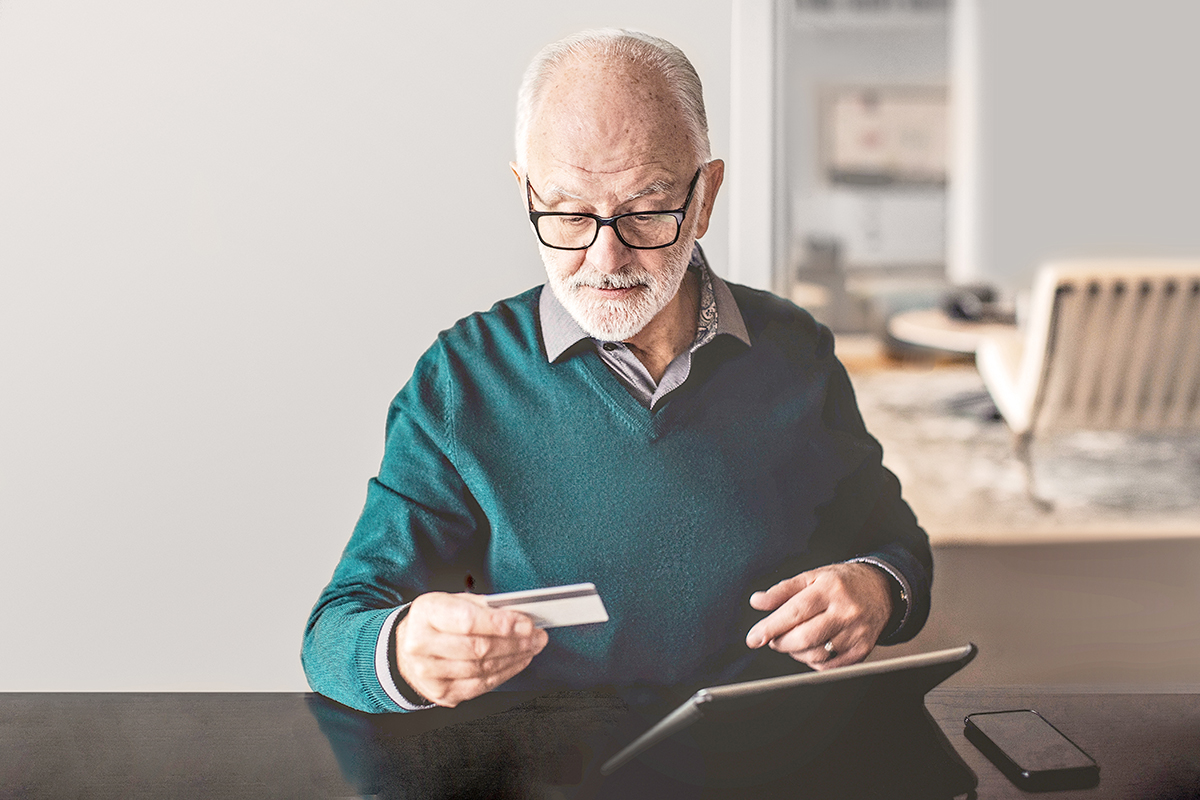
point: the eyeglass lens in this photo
(635, 230)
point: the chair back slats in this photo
(1119, 309)
(1183, 393)
(1066, 366)
(1123, 351)
(1156, 334)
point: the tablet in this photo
(800, 703)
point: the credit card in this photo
(555, 606)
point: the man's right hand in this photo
(452, 647)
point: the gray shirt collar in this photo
(718, 315)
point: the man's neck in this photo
(671, 332)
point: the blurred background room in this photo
(229, 229)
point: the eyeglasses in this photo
(640, 230)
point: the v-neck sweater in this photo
(505, 471)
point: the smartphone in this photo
(1034, 754)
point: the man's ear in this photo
(713, 176)
(516, 171)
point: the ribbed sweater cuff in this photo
(383, 664)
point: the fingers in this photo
(792, 604)
(432, 643)
(450, 669)
(845, 605)
(780, 593)
(807, 643)
(448, 682)
(450, 648)
(469, 614)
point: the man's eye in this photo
(576, 221)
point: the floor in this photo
(961, 475)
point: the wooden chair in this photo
(1108, 345)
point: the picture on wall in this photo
(878, 135)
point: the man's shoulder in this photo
(762, 307)
(773, 320)
(510, 327)
(477, 348)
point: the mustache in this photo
(619, 280)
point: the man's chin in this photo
(608, 318)
(611, 330)
(611, 327)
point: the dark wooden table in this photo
(1147, 744)
(296, 745)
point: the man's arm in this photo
(880, 596)
(420, 533)
(879, 592)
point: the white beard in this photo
(615, 320)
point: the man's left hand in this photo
(846, 605)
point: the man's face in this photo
(609, 139)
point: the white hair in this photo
(634, 47)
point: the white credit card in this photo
(555, 606)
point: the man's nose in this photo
(608, 253)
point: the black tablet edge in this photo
(689, 711)
(954, 655)
(684, 715)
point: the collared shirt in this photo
(718, 315)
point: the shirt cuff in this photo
(905, 591)
(383, 664)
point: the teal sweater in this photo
(523, 473)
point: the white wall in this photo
(754, 214)
(1078, 133)
(222, 248)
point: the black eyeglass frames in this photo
(640, 230)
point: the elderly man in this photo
(691, 447)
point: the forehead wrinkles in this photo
(606, 116)
(554, 192)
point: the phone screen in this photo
(1030, 741)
